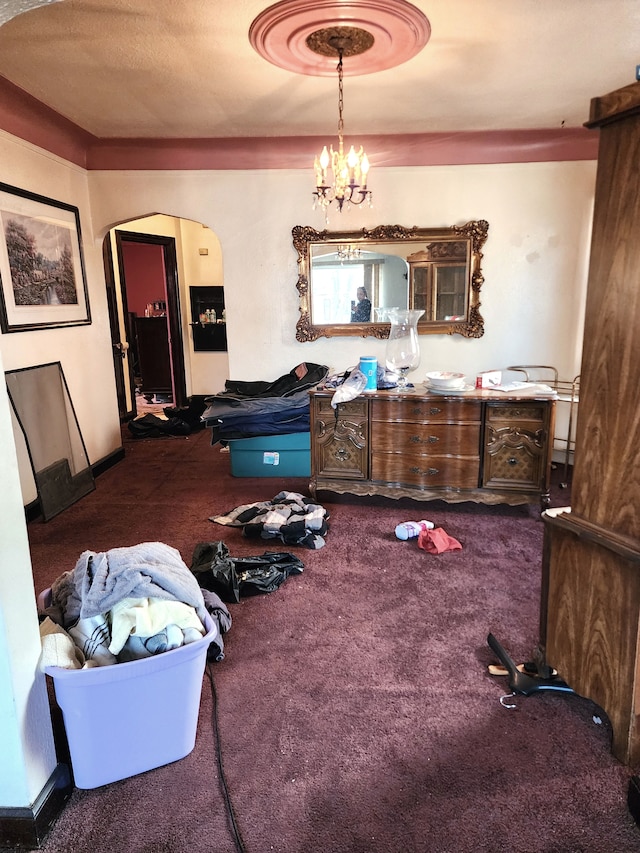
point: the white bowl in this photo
(445, 380)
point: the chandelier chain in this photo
(340, 103)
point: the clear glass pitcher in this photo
(403, 346)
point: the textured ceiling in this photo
(186, 68)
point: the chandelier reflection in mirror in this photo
(348, 253)
(340, 176)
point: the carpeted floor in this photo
(355, 710)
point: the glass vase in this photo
(403, 347)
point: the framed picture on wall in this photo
(42, 276)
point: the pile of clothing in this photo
(251, 409)
(126, 604)
(289, 516)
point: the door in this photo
(119, 346)
(167, 287)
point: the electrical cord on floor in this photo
(237, 837)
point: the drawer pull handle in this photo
(513, 461)
(431, 439)
(434, 410)
(431, 472)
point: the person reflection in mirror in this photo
(361, 310)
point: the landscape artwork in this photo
(41, 265)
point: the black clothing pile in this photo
(234, 577)
(177, 421)
(151, 426)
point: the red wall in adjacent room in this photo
(144, 275)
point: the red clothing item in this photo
(437, 541)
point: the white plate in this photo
(449, 392)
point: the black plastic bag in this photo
(235, 577)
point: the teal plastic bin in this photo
(286, 455)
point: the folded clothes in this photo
(270, 423)
(304, 376)
(220, 406)
(437, 541)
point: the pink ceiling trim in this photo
(279, 34)
(428, 149)
(27, 118)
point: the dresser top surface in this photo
(420, 392)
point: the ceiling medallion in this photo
(349, 41)
(281, 34)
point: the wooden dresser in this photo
(590, 613)
(478, 447)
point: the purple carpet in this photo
(354, 707)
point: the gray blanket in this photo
(101, 580)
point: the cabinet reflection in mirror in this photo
(348, 280)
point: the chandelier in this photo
(348, 253)
(340, 176)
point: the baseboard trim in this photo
(26, 828)
(108, 462)
(33, 510)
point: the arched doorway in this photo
(153, 267)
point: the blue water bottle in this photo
(369, 366)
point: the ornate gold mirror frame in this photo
(440, 272)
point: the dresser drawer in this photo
(426, 411)
(438, 438)
(353, 409)
(431, 471)
(517, 413)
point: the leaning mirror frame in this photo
(417, 240)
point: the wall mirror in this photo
(348, 280)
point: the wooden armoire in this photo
(590, 613)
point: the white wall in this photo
(534, 264)
(26, 738)
(83, 351)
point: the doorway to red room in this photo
(147, 330)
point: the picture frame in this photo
(43, 283)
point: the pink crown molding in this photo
(27, 118)
(279, 34)
(427, 149)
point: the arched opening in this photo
(164, 285)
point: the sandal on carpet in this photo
(529, 667)
(522, 682)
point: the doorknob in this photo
(121, 347)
